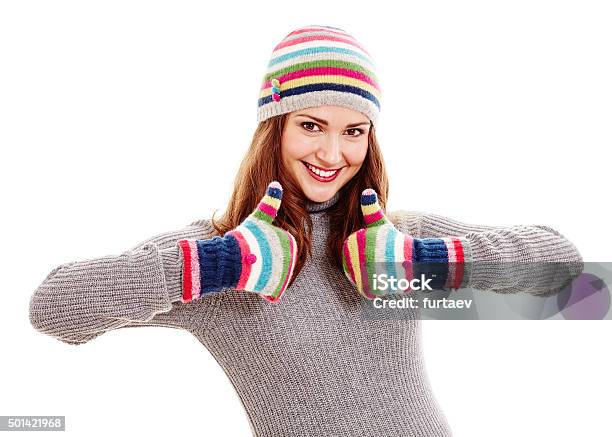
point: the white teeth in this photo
(321, 173)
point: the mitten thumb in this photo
(372, 212)
(269, 204)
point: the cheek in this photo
(355, 155)
(287, 148)
(295, 146)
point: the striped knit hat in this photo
(316, 66)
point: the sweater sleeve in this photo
(535, 259)
(142, 286)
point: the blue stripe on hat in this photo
(322, 87)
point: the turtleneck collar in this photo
(321, 206)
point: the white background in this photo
(123, 119)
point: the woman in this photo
(294, 345)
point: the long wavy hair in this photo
(257, 170)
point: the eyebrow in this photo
(324, 123)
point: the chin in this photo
(319, 191)
(319, 195)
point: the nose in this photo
(330, 151)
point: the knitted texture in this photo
(380, 249)
(310, 365)
(256, 256)
(319, 65)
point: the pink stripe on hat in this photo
(322, 71)
(295, 41)
(320, 29)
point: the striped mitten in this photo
(256, 256)
(380, 249)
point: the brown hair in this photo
(257, 170)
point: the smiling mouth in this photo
(320, 174)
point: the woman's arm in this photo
(531, 258)
(81, 300)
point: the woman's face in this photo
(332, 139)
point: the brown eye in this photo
(308, 123)
(360, 132)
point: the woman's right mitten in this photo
(255, 256)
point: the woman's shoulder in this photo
(407, 221)
(202, 222)
(404, 214)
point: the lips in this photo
(320, 174)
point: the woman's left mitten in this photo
(380, 260)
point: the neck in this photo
(321, 206)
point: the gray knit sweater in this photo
(310, 358)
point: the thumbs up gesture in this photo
(256, 256)
(375, 257)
